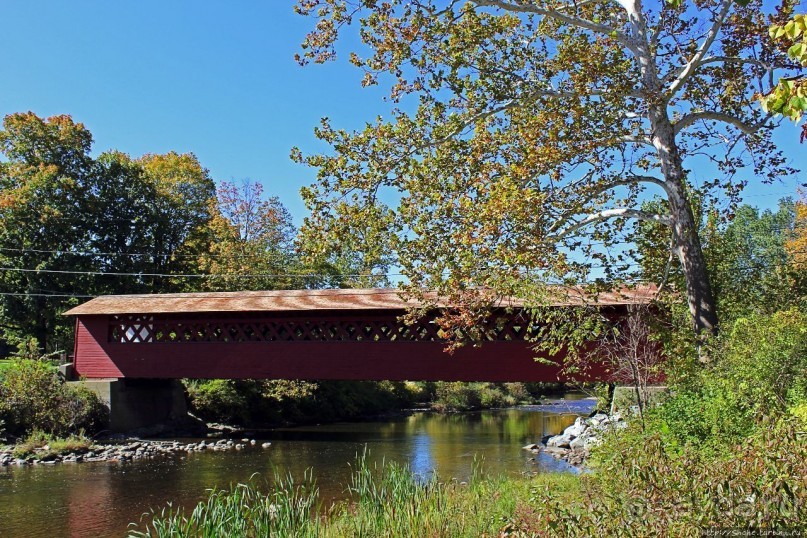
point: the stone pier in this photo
(140, 403)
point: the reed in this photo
(385, 500)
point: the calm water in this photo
(100, 499)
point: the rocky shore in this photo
(575, 443)
(126, 450)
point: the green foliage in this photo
(63, 212)
(44, 445)
(749, 263)
(765, 359)
(789, 96)
(459, 396)
(642, 489)
(277, 401)
(759, 369)
(219, 400)
(456, 396)
(726, 449)
(34, 397)
(386, 500)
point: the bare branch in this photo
(723, 59)
(690, 119)
(694, 62)
(608, 214)
(554, 13)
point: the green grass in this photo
(387, 500)
(36, 442)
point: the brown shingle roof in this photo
(305, 300)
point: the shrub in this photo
(758, 370)
(455, 396)
(34, 397)
(220, 400)
(642, 489)
(248, 402)
(765, 360)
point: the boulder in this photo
(576, 429)
(556, 451)
(559, 441)
(579, 443)
(597, 419)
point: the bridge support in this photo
(142, 404)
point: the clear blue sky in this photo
(214, 78)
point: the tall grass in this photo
(385, 500)
(289, 508)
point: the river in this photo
(100, 499)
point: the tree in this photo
(178, 216)
(529, 133)
(747, 258)
(68, 220)
(43, 204)
(250, 235)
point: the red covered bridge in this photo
(300, 334)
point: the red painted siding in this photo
(92, 359)
(97, 357)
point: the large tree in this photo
(73, 226)
(529, 132)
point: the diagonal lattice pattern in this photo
(138, 329)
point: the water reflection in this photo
(100, 499)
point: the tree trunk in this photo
(686, 241)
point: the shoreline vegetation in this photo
(675, 497)
(727, 448)
(49, 421)
(385, 499)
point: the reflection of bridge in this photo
(307, 334)
(299, 334)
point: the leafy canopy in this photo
(527, 134)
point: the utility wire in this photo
(194, 275)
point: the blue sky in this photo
(214, 78)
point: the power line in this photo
(140, 254)
(194, 275)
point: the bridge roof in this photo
(312, 300)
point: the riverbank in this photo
(575, 443)
(384, 500)
(120, 492)
(122, 451)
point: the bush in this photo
(765, 360)
(758, 370)
(643, 489)
(34, 397)
(219, 400)
(455, 396)
(251, 402)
